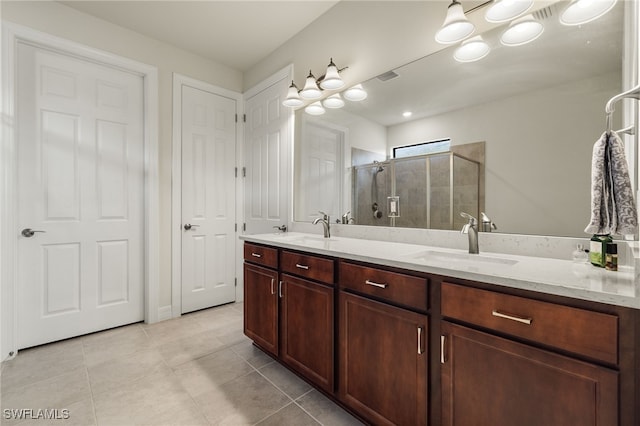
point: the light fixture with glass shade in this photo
(522, 31)
(582, 11)
(315, 108)
(333, 101)
(293, 98)
(472, 50)
(456, 26)
(506, 10)
(310, 90)
(355, 93)
(331, 79)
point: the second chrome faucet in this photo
(326, 223)
(471, 229)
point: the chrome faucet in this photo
(326, 223)
(346, 219)
(471, 229)
(487, 223)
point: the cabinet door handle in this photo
(280, 289)
(375, 284)
(443, 339)
(522, 320)
(273, 289)
(256, 255)
(301, 266)
(420, 350)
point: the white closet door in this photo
(208, 199)
(81, 182)
(267, 160)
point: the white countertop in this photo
(552, 276)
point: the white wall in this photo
(537, 170)
(62, 21)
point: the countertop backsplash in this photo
(523, 245)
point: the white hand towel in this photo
(613, 209)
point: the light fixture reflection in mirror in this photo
(333, 101)
(522, 31)
(355, 93)
(456, 26)
(506, 10)
(472, 50)
(582, 11)
(315, 108)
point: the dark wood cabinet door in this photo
(488, 380)
(306, 329)
(383, 361)
(261, 306)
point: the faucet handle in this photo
(472, 220)
(324, 215)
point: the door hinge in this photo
(244, 118)
(244, 172)
(236, 172)
(236, 227)
(236, 118)
(244, 227)
(235, 281)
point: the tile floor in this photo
(199, 369)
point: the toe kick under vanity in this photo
(412, 335)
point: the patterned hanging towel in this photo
(613, 209)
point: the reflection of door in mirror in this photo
(321, 171)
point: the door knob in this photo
(188, 226)
(28, 232)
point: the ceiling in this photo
(238, 34)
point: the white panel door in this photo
(208, 199)
(267, 160)
(321, 171)
(81, 186)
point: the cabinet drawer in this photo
(261, 255)
(402, 289)
(589, 333)
(308, 266)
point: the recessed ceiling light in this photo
(406, 114)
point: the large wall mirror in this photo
(526, 116)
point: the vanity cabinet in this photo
(383, 347)
(490, 379)
(289, 310)
(261, 296)
(306, 316)
(403, 347)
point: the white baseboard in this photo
(164, 313)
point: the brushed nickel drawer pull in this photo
(256, 255)
(512, 317)
(442, 342)
(420, 351)
(273, 289)
(280, 289)
(302, 266)
(375, 284)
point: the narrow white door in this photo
(321, 171)
(208, 199)
(267, 160)
(81, 196)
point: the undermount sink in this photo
(309, 240)
(472, 259)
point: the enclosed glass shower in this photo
(427, 191)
